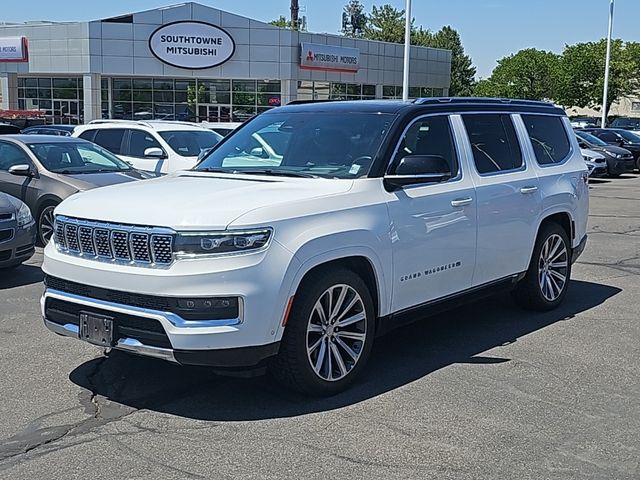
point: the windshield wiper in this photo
(278, 173)
(215, 170)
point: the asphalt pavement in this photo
(486, 391)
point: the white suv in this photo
(156, 146)
(378, 213)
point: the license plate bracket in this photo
(96, 329)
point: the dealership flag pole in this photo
(407, 51)
(606, 68)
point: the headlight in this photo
(24, 216)
(617, 155)
(221, 243)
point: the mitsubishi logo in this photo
(310, 56)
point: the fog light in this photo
(214, 308)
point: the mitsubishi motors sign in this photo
(13, 49)
(315, 56)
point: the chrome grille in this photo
(129, 244)
(120, 245)
(86, 240)
(161, 248)
(140, 246)
(71, 237)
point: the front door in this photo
(24, 188)
(433, 231)
(509, 201)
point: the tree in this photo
(529, 74)
(462, 69)
(385, 24)
(581, 80)
(281, 22)
(354, 19)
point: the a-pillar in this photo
(92, 96)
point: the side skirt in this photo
(412, 314)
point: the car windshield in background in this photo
(592, 139)
(77, 157)
(629, 136)
(307, 144)
(626, 123)
(190, 143)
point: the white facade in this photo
(94, 56)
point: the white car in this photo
(378, 213)
(156, 146)
(596, 162)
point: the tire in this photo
(45, 221)
(542, 287)
(345, 350)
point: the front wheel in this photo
(547, 279)
(45, 224)
(329, 334)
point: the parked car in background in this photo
(621, 138)
(223, 128)
(627, 123)
(42, 170)
(582, 122)
(17, 232)
(377, 213)
(8, 129)
(153, 145)
(596, 162)
(619, 160)
(61, 130)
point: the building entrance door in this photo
(214, 113)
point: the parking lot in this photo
(485, 391)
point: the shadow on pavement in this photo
(401, 357)
(20, 276)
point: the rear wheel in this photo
(547, 279)
(329, 334)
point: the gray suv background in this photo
(17, 232)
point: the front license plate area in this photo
(96, 329)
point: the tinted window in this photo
(429, 136)
(548, 138)
(191, 143)
(88, 135)
(494, 142)
(110, 138)
(11, 155)
(139, 141)
(607, 136)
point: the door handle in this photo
(461, 202)
(531, 189)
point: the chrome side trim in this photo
(126, 344)
(175, 320)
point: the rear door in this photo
(509, 200)
(133, 152)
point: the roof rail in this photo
(111, 120)
(479, 100)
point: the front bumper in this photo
(154, 342)
(19, 248)
(617, 166)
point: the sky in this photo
(490, 29)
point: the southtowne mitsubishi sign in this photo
(192, 45)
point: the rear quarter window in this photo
(548, 137)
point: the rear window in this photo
(494, 142)
(548, 138)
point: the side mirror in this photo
(415, 169)
(154, 152)
(257, 152)
(621, 143)
(22, 170)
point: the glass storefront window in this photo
(244, 85)
(60, 98)
(269, 86)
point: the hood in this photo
(195, 200)
(87, 181)
(8, 204)
(611, 149)
(587, 152)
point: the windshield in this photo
(592, 139)
(307, 143)
(628, 136)
(626, 122)
(77, 157)
(190, 143)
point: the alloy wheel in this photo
(553, 267)
(336, 332)
(45, 226)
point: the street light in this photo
(606, 68)
(407, 50)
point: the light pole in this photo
(606, 68)
(407, 50)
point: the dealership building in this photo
(194, 62)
